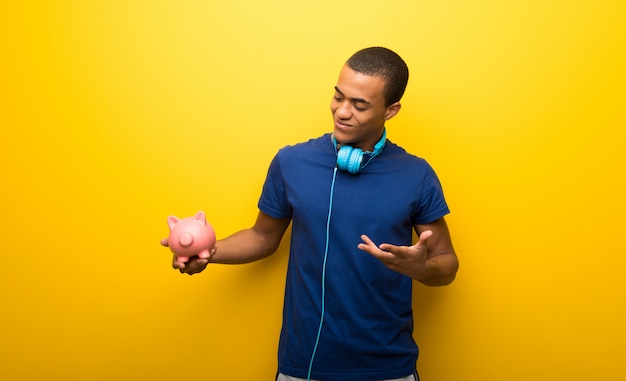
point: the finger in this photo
(424, 237)
(165, 242)
(176, 265)
(370, 247)
(393, 249)
(200, 262)
(368, 242)
(195, 266)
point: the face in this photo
(359, 110)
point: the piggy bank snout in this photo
(185, 239)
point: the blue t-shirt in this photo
(368, 320)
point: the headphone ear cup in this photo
(350, 159)
(343, 157)
(354, 162)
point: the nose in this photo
(343, 110)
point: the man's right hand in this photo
(193, 266)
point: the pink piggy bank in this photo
(190, 236)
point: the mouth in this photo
(341, 126)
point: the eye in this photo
(359, 108)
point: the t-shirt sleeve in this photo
(433, 204)
(273, 200)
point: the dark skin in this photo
(359, 113)
(429, 261)
(248, 245)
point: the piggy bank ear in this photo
(200, 217)
(171, 221)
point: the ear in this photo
(200, 217)
(392, 110)
(171, 221)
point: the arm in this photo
(248, 245)
(431, 261)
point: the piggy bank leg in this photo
(182, 259)
(204, 254)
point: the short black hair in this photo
(379, 61)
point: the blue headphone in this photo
(351, 159)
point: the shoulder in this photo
(318, 143)
(319, 146)
(305, 156)
(400, 157)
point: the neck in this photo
(376, 149)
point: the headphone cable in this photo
(319, 330)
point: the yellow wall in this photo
(115, 114)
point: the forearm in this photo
(249, 245)
(242, 247)
(440, 270)
(441, 263)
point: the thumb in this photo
(165, 242)
(424, 237)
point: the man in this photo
(352, 198)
